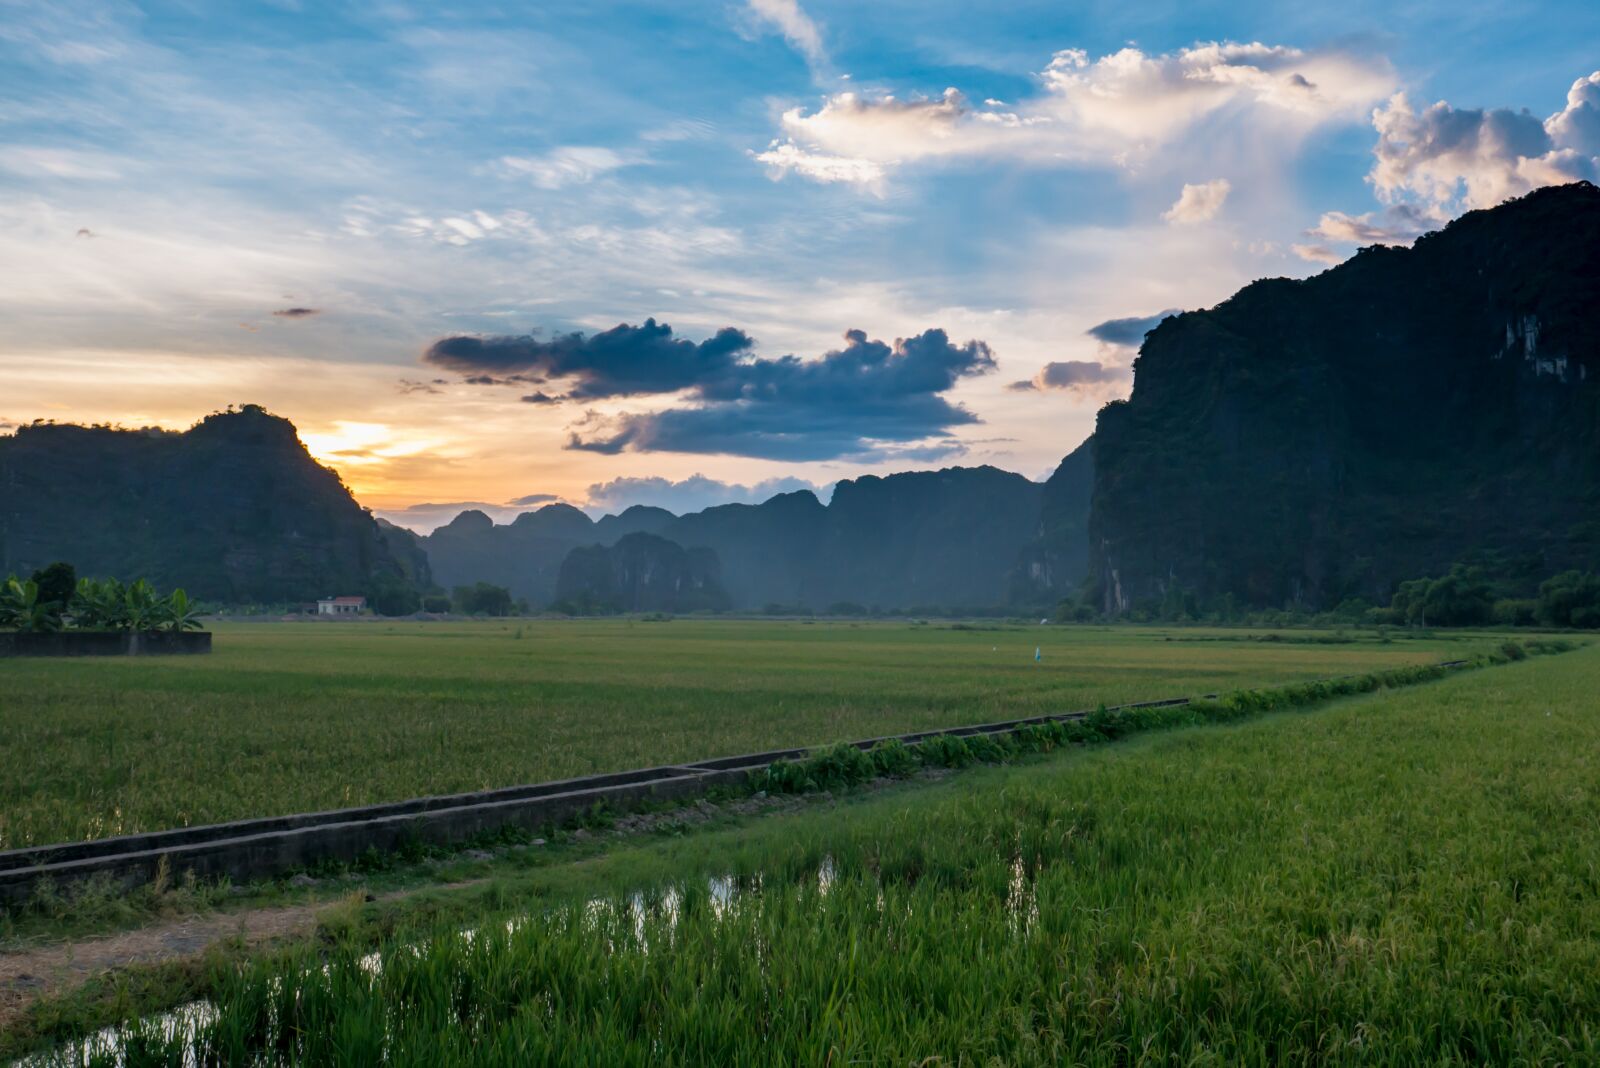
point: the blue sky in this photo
(176, 177)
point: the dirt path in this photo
(40, 971)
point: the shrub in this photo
(1570, 599)
(893, 758)
(482, 599)
(1516, 612)
(57, 583)
(391, 595)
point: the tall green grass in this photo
(1405, 877)
(294, 717)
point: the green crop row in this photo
(844, 765)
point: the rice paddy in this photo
(293, 717)
(1404, 877)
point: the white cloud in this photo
(568, 165)
(1399, 225)
(1199, 203)
(783, 158)
(1577, 126)
(1449, 159)
(789, 19)
(1316, 254)
(1112, 111)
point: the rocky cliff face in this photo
(641, 573)
(1052, 566)
(1309, 441)
(234, 510)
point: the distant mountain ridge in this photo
(932, 538)
(233, 509)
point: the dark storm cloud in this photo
(297, 313)
(623, 361)
(1130, 331)
(540, 397)
(867, 399)
(1069, 374)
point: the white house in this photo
(341, 606)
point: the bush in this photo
(436, 604)
(893, 758)
(1570, 599)
(391, 595)
(1516, 611)
(482, 599)
(1460, 598)
(57, 583)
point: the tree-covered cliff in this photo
(1311, 441)
(231, 510)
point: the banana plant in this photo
(100, 605)
(144, 609)
(21, 609)
(182, 614)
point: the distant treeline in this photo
(1487, 592)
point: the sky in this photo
(687, 253)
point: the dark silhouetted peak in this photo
(555, 521)
(232, 510)
(250, 424)
(471, 521)
(638, 518)
(1305, 442)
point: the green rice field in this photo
(1405, 877)
(289, 717)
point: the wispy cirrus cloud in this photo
(568, 165)
(797, 27)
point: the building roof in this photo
(343, 600)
